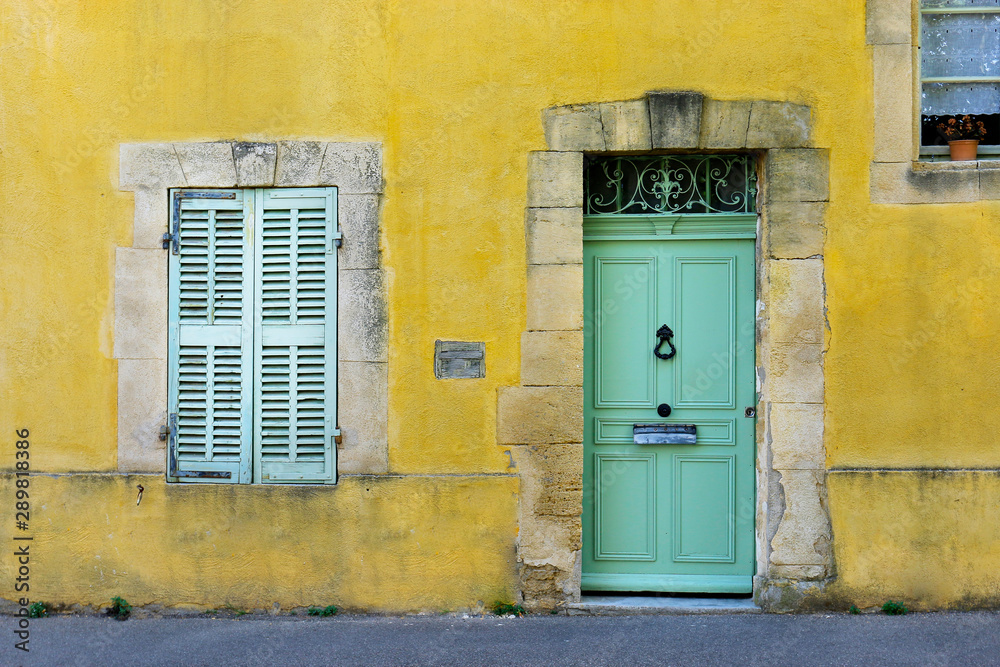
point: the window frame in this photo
(147, 171)
(897, 174)
(933, 153)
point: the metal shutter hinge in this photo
(168, 431)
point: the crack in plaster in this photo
(173, 149)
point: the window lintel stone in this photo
(353, 167)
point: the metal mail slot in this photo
(664, 434)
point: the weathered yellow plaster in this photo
(929, 539)
(378, 543)
(913, 305)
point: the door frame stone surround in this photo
(541, 421)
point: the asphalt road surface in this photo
(745, 639)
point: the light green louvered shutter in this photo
(210, 322)
(295, 325)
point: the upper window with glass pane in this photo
(959, 68)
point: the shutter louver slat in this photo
(292, 403)
(194, 267)
(296, 336)
(229, 269)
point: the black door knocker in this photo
(664, 334)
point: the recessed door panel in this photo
(624, 304)
(611, 431)
(704, 517)
(626, 506)
(706, 304)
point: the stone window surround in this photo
(541, 421)
(897, 176)
(140, 287)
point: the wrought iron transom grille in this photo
(669, 184)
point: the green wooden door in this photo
(669, 517)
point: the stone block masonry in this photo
(541, 420)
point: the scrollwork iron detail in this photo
(670, 184)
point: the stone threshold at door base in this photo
(642, 605)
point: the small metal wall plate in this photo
(454, 360)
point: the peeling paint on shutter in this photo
(210, 337)
(295, 358)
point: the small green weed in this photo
(854, 609)
(894, 608)
(38, 610)
(329, 610)
(507, 609)
(233, 609)
(120, 608)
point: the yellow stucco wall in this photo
(390, 543)
(454, 91)
(927, 539)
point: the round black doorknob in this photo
(663, 410)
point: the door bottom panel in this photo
(668, 583)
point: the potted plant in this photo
(963, 136)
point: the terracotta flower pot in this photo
(964, 149)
